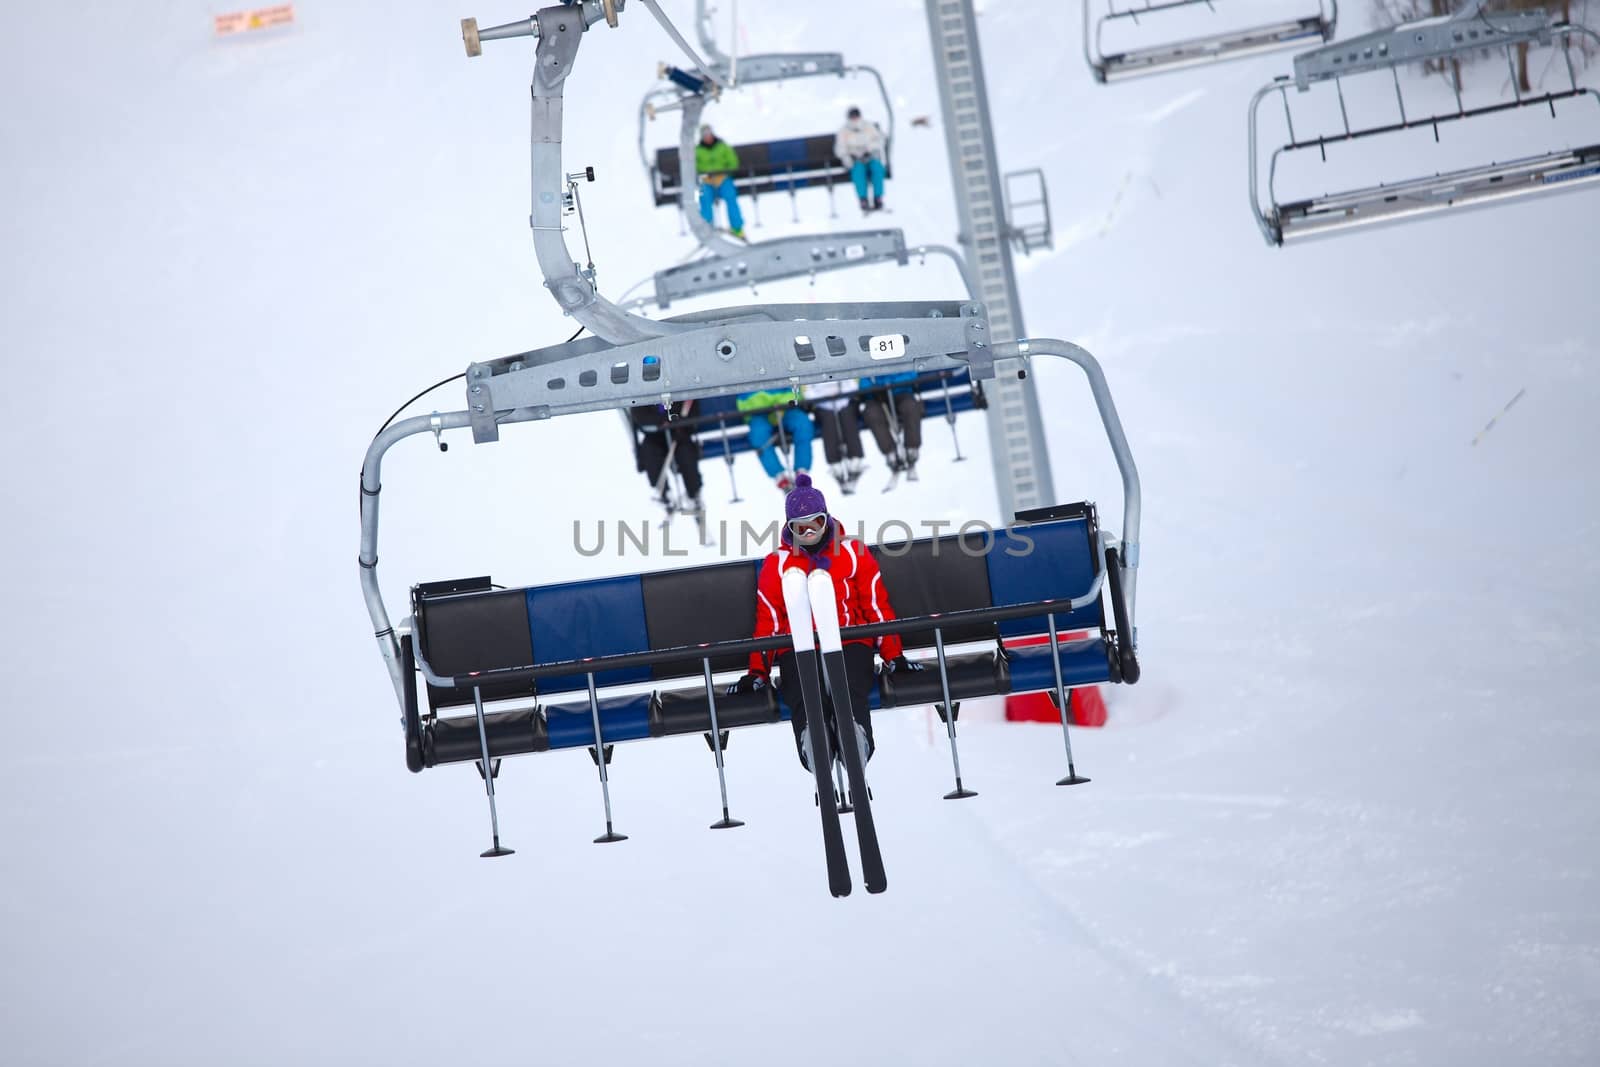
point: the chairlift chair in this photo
(592, 664)
(1385, 51)
(1192, 51)
(733, 264)
(783, 165)
(1028, 210)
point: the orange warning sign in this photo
(261, 18)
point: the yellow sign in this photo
(262, 18)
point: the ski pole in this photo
(894, 427)
(950, 417)
(727, 457)
(783, 448)
(666, 472)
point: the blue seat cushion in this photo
(621, 719)
(1083, 662)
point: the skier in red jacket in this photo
(813, 539)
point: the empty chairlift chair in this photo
(1382, 54)
(1028, 210)
(1160, 19)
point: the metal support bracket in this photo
(1419, 41)
(716, 355)
(781, 66)
(980, 345)
(786, 257)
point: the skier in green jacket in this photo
(715, 161)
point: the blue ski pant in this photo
(861, 170)
(710, 194)
(797, 424)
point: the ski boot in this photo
(854, 466)
(911, 464)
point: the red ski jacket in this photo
(857, 586)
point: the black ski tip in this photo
(497, 851)
(840, 890)
(1073, 779)
(959, 794)
(608, 837)
(726, 824)
(877, 887)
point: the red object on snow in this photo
(1088, 706)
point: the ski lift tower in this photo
(1016, 435)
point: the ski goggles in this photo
(806, 525)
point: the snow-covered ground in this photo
(1349, 815)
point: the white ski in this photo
(825, 611)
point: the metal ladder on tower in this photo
(1016, 437)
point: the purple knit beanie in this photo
(804, 499)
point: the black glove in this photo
(750, 683)
(900, 664)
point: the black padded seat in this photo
(456, 740)
(696, 606)
(475, 630)
(938, 575)
(688, 711)
(941, 575)
(982, 674)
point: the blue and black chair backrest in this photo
(469, 627)
(764, 167)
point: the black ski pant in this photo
(841, 433)
(686, 457)
(858, 668)
(907, 408)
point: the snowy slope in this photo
(1347, 816)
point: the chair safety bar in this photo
(1560, 170)
(1195, 51)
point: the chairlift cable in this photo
(444, 382)
(416, 398)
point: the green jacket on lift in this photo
(767, 398)
(716, 161)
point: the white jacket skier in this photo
(859, 139)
